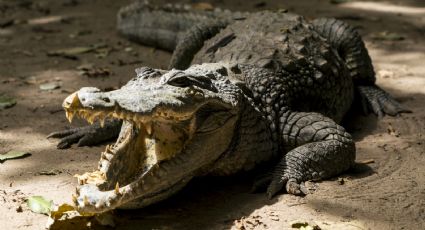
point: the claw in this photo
(69, 115)
(86, 201)
(148, 127)
(117, 189)
(102, 122)
(99, 205)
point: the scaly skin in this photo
(258, 87)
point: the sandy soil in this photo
(386, 191)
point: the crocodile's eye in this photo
(180, 81)
(184, 81)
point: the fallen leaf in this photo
(369, 161)
(387, 36)
(6, 23)
(43, 29)
(85, 66)
(66, 216)
(47, 20)
(339, 1)
(102, 52)
(302, 225)
(72, 52)
(6, 102)
(13, 155)
(50, 172)
(260, 4)
(89, 70)
(39, 204)
(203, 6)
(50, 86)
(58, 211)
(392, 131)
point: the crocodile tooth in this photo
(86, 200)
(99, 205)
(77, 191)
(102, 121)
(90, 119)
(109, 148)
(138, 125)
(117, 189)
(74, 198)
(148, 127)
(69, 115)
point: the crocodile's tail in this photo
(162, 26)
(350, 46)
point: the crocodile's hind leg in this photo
(161, 26)
(345, 39)
(318, 147)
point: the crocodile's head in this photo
(175, 125)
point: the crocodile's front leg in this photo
(319, 149)
(87, 135)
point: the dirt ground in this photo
(386, 190)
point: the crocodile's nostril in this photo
(105, 99)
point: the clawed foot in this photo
(87, 135)
(275, 185)
(291, 186)
(379, 102)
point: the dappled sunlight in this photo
(44, 155)
(384, 189)
(401, 69)
(384, 7)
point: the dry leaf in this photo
(202, 6)
(50, 86)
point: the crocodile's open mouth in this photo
(150, 147)
(144, 142)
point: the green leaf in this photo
(13, 155)
(39, 204)
(6, 102)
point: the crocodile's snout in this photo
(72, 101)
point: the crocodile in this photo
(243, 89)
